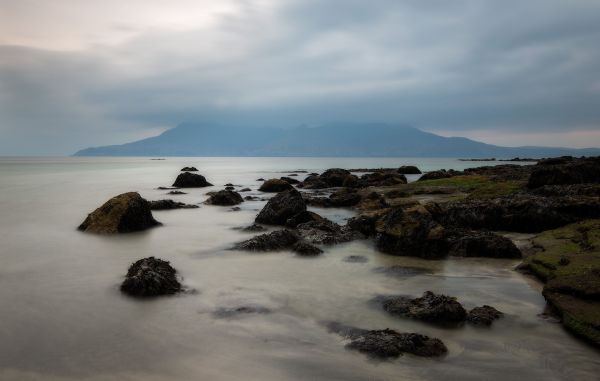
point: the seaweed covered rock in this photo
(225, 198)
(273, 241)
(484, 315)
(275, 185)
(170, 204)
(127, 212)
(479, 243)
(411, 232)
(151, 277)
(387, 343)
(430, 307)
(281, 207)
(409, 170)
(191, 180)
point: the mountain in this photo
(338, 139)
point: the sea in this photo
(63, 318)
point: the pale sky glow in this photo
(75, 74)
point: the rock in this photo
(189, 169)
(441, 174)
(151, 277)
(430, 307)
(469, 243)
(565, 171)
(245, 190)
(290, 180)
(277, 240)
(484, 315)
(281, 207)
(372, 201)
(409, 170)
(411, 232)
(170, 204)
(260, 179)
(224, 198)
(234, 209)
(229, 185)
(364, 224)
(356, 259)
(302, 217)
(254, 228)
(344, 197)
(232, 312)
(381, 178)
(229, 188)
(275, 185)
(326, 232)
(334, 177)
(191, 180)
(306, 249)
(251, 198)
(503, 172)
(387, 343)
(176, 192)
(127, 212)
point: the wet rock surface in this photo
(191, 180)
(306, 249)
(436, 308)
(151, 277)
(326, 232)
(225, 198)
(170, 204)
(281, 207)
(127, 212)
(484, 315)
(273, 241)
(565, 170)
(470, 243)
(387, 343)
(254, 228)
(331, 178)
(303, 217)
(275, 185)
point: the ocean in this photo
(64, 318)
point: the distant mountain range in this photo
(339, 139)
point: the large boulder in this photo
(224, 198)
(127, 212)
(387, 343)
(565, 171)
(275, 185)
(334, 177)
(430, 307)
(151, 277)
(191, 180)
(273, 241)
(479, 243)
(409, 170)
(411, 232)
(281, 207)
(290, 180)
(170, 204)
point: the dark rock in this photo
(306, 249)
(189, 169)
(409, 170)
(372, 201)
(388, 343)
(381, 178)
(344, 197)
(225, 198)
(170, 204)
(356, 259)
(232, 312)
(275, 185)
(364, 224)
(411, 232)
(260, 179)
(229, 185)
(484, 315)
(293, 174)
(565, 171)
(151, 277)
(290, 180)
(430, 307)
(229, 188)
(176, 192)
(245, 190)
(441, 174)
(251, 198)
(326, 232)
(254, 228)
(127, 212)
(191, 180)
(469, 243)
(503, 172)
(281, 207)
(235, 209)
(334, 177)
(302, 217)
(277, 240)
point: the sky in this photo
(76, 73)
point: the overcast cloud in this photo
(75, 74)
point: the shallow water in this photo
(63, 317)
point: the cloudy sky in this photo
(77, 73)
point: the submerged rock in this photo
(484, 315)
(225, 198)
(409, 170)
(191, 180)
(430, 307)
(176, 192)
(402, 271)
(151, 277)
(127, 212)
(281, 207)
(232, 312)
(470, 243)
(356, 259)
(275, 185)
(277, 240)
(189, 169)
(170, 204)
(387, 343)
(306, 249)
(254, 228)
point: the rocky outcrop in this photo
(334, 177)
(326, 232)
(151, 277)
(189, 169)
(471, 243)
(430, 307)
(275, 185)
(409, 170)
(191, 180)
(224, 198)
(565, 171)
(127, 212)
(441, 174)
(170, 204)
(273, 241)
(281, 207)
(380, 179)
(411, 232)
(387, 343)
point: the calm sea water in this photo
(63, 318)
